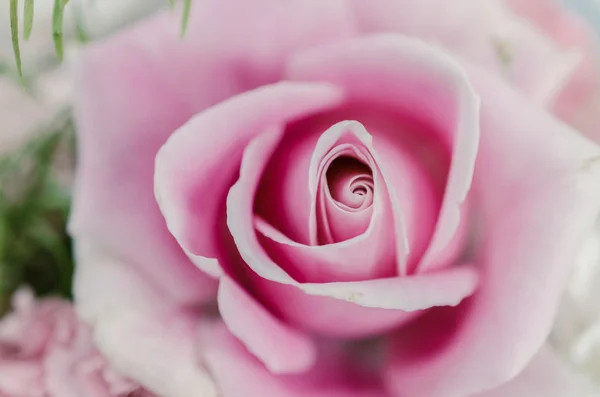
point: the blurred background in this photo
(37, 138)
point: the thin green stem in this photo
(27, 18)
(14, 31)
(57, 27)
(187, 5)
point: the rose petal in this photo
(21, 377)
(224, 356)
(418, 80)
(547, 195)
(143, 336)
(545, 376)
(199, 162)
(349, 260)
(579, 98)
(281, 348)
(486, 32)
(123, 118)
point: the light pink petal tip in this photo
(545, 376)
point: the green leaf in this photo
(44, 235)
(187, 5)
(14, 31)
(57, 26)
(27, 18)
(4, 68)
(35, 248)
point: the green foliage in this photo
(14, 31)
(185, 18)
(81, 35)
(27, 18)
(34, 246)
(57, 26)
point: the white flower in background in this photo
(23, 113)
(577, 331)
(576, 334)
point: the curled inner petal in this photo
(350, 183)
(345, 194)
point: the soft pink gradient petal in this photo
(448, 287)
(138, 87)
(418, 80)
(144, 336)
(367, 308)
(239, 374)
(281, 348)
(405, 152)
(124, 114)
(486, 32)
(338, 262)
(20, 378)
(579, 100)
(558, 22)
(198, 164)
(545, 376)
(547, 195)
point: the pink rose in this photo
(46, 352)
(373, 193)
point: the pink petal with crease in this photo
(224, 356)
(281, 348)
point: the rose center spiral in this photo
(350, 183)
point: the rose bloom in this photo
(45, 351)
(340, 198)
